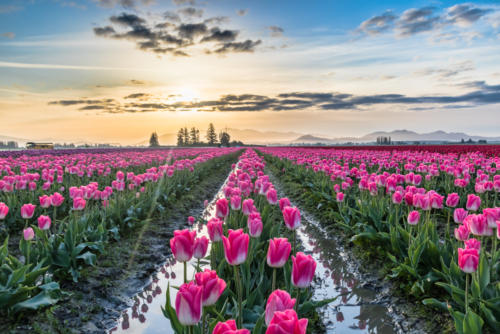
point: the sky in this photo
(113, 71)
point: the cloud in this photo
(378, 24)
(414, 21)
(276, 31)
(129, 4)
(8, 34)
(184, 2)
(174, 36)
(481, 93)
(191, 12)
(242, 12)
(452, 70)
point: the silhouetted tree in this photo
(211, 135)
(185, 135)
(153, 141)
(180, 137)
(194, 135)
(224, 138)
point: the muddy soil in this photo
(368, 302)
(104, 291)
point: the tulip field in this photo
(427, 217)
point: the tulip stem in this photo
(466, 293)
(185, 272)
(297, 301)
(274, 279)
(294, 240)
(204, 322)
(238, 287)
(28, 246)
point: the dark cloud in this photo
(184, 2)
(191, 12)
(174, 36)
(481, 93)
(276, 31)
(378, 24)
(466, 14)
(242, 12)
(137, 96)
(414, 21)
(137, 82)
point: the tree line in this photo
(191, 137)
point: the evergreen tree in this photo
(185, 135)
(211, 135)
(194, 135)
(153, 140)
(224, 138)
(180, 137)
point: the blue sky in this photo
(114, 70)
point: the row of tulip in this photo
(252, 275)
(55, 247)
(391, 204)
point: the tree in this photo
(211, 135)
(224, 138)
(194, 135)
(185, 135)
(180, 137)
(153, 141)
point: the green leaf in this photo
(435, 303)
(88, 257)
(472, 323)
(483, 272)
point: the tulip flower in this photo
(284, 202)
(236, 247)
(200, 247)
(228, 327)
(473, 243)
(28, 234)
(4, 210)
(248, 206)
(235, 202)
(278, 252)
(473, 202)
(303, 268)
(44, 222)
(287, 322)
(188, 304)
(272, 196)
(397, 197)
(462, 232)
(45, 201)
(452, 200)
(221, 208)
(255, 226)
(191, 220)
(492, 215)
(478, 224)
(79, 203)
(340, 197)
(215, 231)
(459, 215)
(212, 285)
(182, 245)
(27, 211)
(468, 259)
(56, 199)
(413, 217)
(291, 216)
(278, 301)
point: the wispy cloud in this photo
(59, 67)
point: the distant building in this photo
(9, 144)
(39, 146)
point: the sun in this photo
(187, 94)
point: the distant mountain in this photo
(310, 139)
(405, 135)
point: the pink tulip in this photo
(79, 203)
(473, 202)
(492, 215)
(56, 199)
(236, 247)
(468, 259)
(272, 196)
(255, 227)
(248, 206)
(200, 247)
(284, 202)
(462, 232)
(191, 220)
(44, 201)
(212, 285)
(291, 216)
(498, 229)
(459, 215)
(188, 304)
(397, 197)
(44, 222)
(27, 210)
(287, 322)
(28, 234)
(452, 200)
(228, 327)
(235, 202)
(278, 301)
(215, 231)
(477, 224)
(340, 197)
(303, 270)
(4, 210)
(473, 243)
(205, 203)
(436, 201)
(278, 252)
(221, 208)
(182, 245)
(413, 217)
